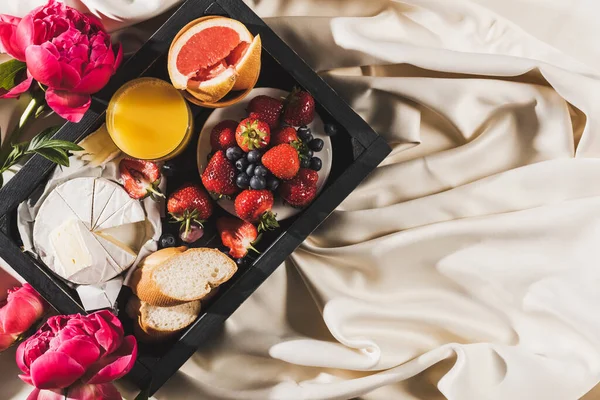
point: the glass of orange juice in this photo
(149, 119)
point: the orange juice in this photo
(149, 119)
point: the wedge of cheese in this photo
(80, 229)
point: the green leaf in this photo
(57, 156)
(18, 151)
(8, 73)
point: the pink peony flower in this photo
(65, 50)
(23, 307)
(77, 350)
(104, 391)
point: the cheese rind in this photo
(78, 193)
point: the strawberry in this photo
(190, 205)
(286, 134)
(252, 134)
(238, 235)
(222, 135)
(255, 206)
(140, 178)
(219, 175)
(266, 108)
(302, 190)
(282, 160)
(299, 108)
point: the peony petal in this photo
(38, 394)
(24, 306)
(24, 36)
(70, 77)
(105, 391)
(44, 66)
(8, 27)
(55, 370)
(26, 379)
(70, 106)
(82, 350)
(118, 364)
(6, 340)
(110, 334)
(95, 80)
(119, 57)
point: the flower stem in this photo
(14, 136)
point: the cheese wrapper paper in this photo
(103, 295)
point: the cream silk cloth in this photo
(467, 266)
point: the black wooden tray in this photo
(357, 150)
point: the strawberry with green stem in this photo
(252, 134)
(140, 178)
(190, 206)
(255, 206)
(239, 236)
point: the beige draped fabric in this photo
(467, 266)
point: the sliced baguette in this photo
(186, 276)
(160, 323)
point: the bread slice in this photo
(160, 323)
(179, 277)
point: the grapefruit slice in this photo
(211, 56)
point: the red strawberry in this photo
(299, 108)
(302, 190)
(222, 135)
(189, 205)
(140, 178)
(286, 134)
(252, 134)
(238, 235)
(266, 108)
(255, 206)
(282, 160)
(219, 175)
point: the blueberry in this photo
(258, 183)
(254, 156)
(169, 169)
(250, 170)
(242, 181)
(330, 129)
(241, 262)
(305, 162)
(316, 164)
(234, 153)
(304, 133)
(273, 183)
(316, 145)
(309, 153)
(241, 164)
(167, 240)
(260, 171)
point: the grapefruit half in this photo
(213, 57)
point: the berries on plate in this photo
(222, 135)
(316, 164)
(241, 164)
(316, 145)
(252, 134)
(254, 156)
(219, 176)
(239, 236)
(302, 190)
(299, 108)
(282, 160)
(242, 180)
(255, 206)
(140, 178)
(258, 182)
(234, 153)
(286, 134)
(190, 205)
(266, 108)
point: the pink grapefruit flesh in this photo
(209, 52)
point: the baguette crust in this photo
(145, 287)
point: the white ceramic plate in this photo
(237, 112)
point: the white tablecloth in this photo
(467, 265)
